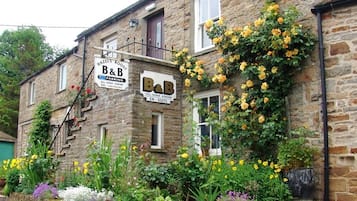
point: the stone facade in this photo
(126, 113)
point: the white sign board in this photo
(111, 73)
(157, 87)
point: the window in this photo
(62, 84)
(112, 45)
(156, 131)
(206, 140)
(103, 133)
(204, 10)
(32, 93)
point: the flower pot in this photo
(301, 182)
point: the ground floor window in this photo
(206, 140)
(156, 130)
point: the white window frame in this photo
(160, 131)
(196, 119)
(32, 93)
(199, 26)
(103, 133)
(112, 44)
(62, 81)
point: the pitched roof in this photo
(6, 137)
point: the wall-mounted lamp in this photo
(133, 22)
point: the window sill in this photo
(204, 51)
(157, 150)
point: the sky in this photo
(58, 13)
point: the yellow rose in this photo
(223, 108)
(244, 105)
(220, 21)
(187, 82)
(258, 22)
(249, 83)
(246, 32)
(234, 40)
(274, 70)
(244, 95)
(199, 77)
(261, 68)
(264, 86)
(216, 40)
(182, 69)
(266, 99)
(261, 119)
(276, 32)
(243, 65)
(287, 39)
(241, 162)
(265, 163)
(244, 127)
(34, 157)
(228, 33)
(185, 50)
(280, 20)
(262, 76)
(208, 24)
(243, 86)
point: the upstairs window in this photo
(204, 10)
(62, 82)
(32, 93)
(110, 44)
(206, 139)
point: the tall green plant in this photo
(40, 131)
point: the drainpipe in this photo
(84, 60)
(318, 10)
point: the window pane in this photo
(215, 141)
(203, 11)
(206, 41)
(158, 35)
(214, 102)
(214, 8)
(154, 130)
(204, 102)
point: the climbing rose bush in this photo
(262, 57)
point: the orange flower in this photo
(221, 60)
(276, 32)
(280, 20)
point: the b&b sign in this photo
(157, 87)
(111, 73)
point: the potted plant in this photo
(295, 157)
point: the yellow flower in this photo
(225, 176)
(221, 60)
(269, 53)
(271, 176)
(289, 53)
(261, 119)
(231, 162)
(228, 33)
(261, 68)
(85, 171)
(241, 162)
(187, 82)
(134, 148)
(265, 163)
(199, 77)
(208, 24)
(223, 108)
(264, 86)
(280, 20)
(221, 78)
(252, 104)
(123, 147)
(255, 166)
(285, 179)
(244, 127)
(243, 65)
(243, 86)
(277, 170)
(234, 40)
(184, 155)
(182, 69)
(276, 32)
(246, 32)
(185, 50)
(50, 152)
(34, 157)
(217, 40)
(295, 51)
(260, 161)
(274, 70)
(86, 165)
(244, 95)
(258, 22)
(262, 76)
(287, 40)
(249, 83)
(234, 168)
(266, 99)
(220, 21)
(244, 105)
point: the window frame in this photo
(103, 133)
(62, 78)
(160, 130)
(112, 44)
(199, 29)
(196, 119)
(32, 93)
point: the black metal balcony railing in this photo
(142, 48)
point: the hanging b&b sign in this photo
(111, 73)
(158, 87)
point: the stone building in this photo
(139, 95)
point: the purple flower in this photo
(43, 190)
